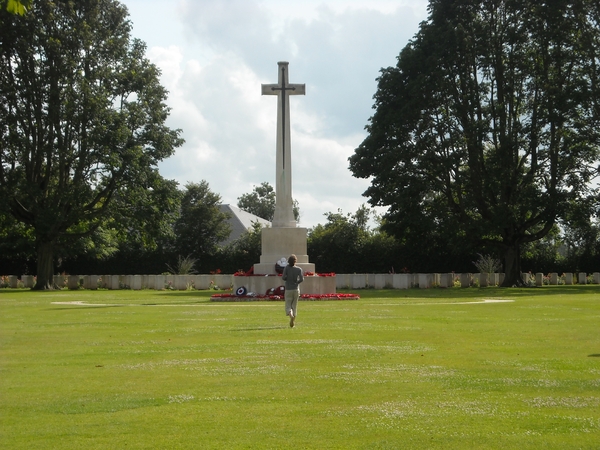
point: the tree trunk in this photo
(45, 267)
(512, 266)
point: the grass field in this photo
(412, 369)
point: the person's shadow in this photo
(595, 355)
(267, 328)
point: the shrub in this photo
(487, 264)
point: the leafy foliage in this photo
(243, 253)
(261, 202)
(488, 127)
(201, 225)
(346, 245)
(19, 7)
(17, 245)
(487, 264)
(82, 119)
(184, 266)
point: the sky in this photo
(215, 54)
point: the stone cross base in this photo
(310, 285)
(280, 243)
(269, 268)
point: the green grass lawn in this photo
(404, 369)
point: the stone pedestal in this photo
(310, 285)
(280, 243)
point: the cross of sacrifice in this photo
(284, 213)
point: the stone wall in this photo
(319, 285)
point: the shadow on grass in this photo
(474, 292)
(86, 306)
(260, 328)
(17, 291)
(173, 303)
(196, 294)
(595, 355)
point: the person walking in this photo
(293, 276)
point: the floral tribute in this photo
(275, 294)
(250, 273)
(253, 297)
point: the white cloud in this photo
(214, 54)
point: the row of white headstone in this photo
(342, 281)
(136, 282)
(429, 280)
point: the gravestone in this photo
(73, 282)
(539, 279)
(446, 280)
(115, 282)
(484, 278)
(401, 281)
(425, 280)
(28, 281)
(465, 280)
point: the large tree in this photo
(82, 121)
(201, 225)
(489, 123)
(337, 245)
(242, 253)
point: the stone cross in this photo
(284, 208)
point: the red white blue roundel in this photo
(241, 291)
(280, 265)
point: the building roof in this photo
(240, 222)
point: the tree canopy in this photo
(488, 127)
(201, 225)
(82, 120)
(16, 6)
(261, 202)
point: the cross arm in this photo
(291, 89)
(296, 89)
(270, 89)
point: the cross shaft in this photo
(284, 216)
